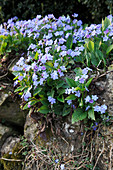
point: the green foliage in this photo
(93, 11)
(98, 8)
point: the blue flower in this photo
(69, 102)
(77, 93)
(95, 126)
(54, 75)
(96, 108)
(87, 108)
(103, 108)
(81, 80)
(51, 100)
(75, 15)
(62, 166)
(57, 160)
(27, 95)
(87, 99)
(94, 97)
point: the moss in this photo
(16, 155)
(44, 137)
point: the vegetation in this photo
(93, 11)
(55, 49)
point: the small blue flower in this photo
(103, 108)
(51, 100)
(87, 108)
(87, 99)
(57, 160)
(69, 102)
(94, 97)
(96, 108)
(77, 93)
(81, 80)
(75, 15)
(62, 166)
(10, 153)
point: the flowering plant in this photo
(57, 47)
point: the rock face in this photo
(107, 95)
(69, 136)
(9, 145)
(5, 132)
(66, 139)
(10, 110)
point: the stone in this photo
(10, 110)
(9, 144)
(4, 133)
(107, 95)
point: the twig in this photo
(99, 156)
(102, 75)
(17, 160)
(4, 75)
(110, 156)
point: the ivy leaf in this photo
(78, 114)
(91, 114)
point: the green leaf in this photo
(58, 109)
(32, 102)
(94, 60)
(50, 82)
(90, 46)
(69, 42)
(60, 84)
(51, 93)
(101, 56)
(70, 82)
(61, 91)
(71, 97)
(78, 115)
(106, 23)
(61, 99)
(44, 109)
(49, 65)
(89, 82)
(91, 114)
(109, 49)
(36, 56)
(25, 107)
(78, 71)
(66, 110)
(36, 91)
(19, 89)
(44, 101)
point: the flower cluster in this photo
(54, 45)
